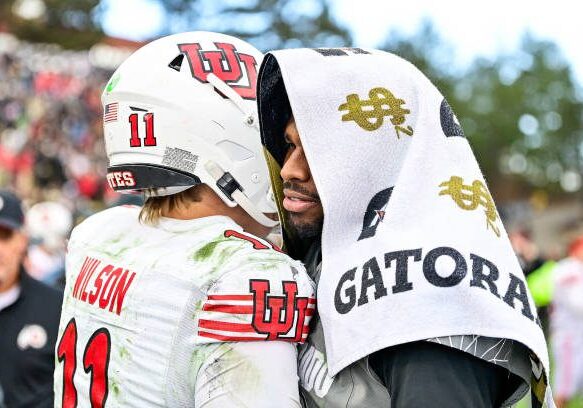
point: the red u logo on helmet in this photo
(226, 63)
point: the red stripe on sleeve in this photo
(234, 327)
(225, 326)
(234, 309)
(230, 297)
(221, 337)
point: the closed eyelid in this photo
(288, 141)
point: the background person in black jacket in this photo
(29, 318)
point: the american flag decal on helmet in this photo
(110, 112)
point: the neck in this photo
(9, 296)
(10, 282)
(211, 204)
(193, 210)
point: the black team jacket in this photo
(27, 356)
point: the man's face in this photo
(301, 200)
(12, 248)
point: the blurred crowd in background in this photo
(50, 129)
(51, 147)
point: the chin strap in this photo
(229, 186)
(250, 116)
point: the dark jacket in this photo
(27, 361)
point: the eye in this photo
(288, 144)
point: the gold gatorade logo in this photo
(369, 114)
(469, 197)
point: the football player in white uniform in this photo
(181, 303)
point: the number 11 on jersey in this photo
(95, 363)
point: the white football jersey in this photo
(178, 315)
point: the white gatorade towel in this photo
(412, 244)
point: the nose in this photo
(295, 166)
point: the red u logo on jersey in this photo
(282, 310)
(226, 63)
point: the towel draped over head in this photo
(412, 244)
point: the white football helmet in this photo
(181, 111)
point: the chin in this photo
(305, 228)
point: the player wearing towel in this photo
(342, 180)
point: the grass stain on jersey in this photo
(267, 264)
(124, 353)
(216, 254)
(115, 251)
(247, 375)
(198, 305)
(206, 251)
(114, 386)
(201, 354)
(218, 361)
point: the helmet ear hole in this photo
(176, 63)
